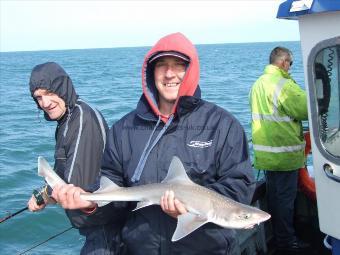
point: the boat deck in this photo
(259, 240)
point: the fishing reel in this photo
(41, 195)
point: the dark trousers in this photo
(101, 240)
(281, 194)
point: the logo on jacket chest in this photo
(200, 144)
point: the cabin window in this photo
(327, 99)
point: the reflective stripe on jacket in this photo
(278, 106)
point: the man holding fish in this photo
(172, 125)
(80, 140)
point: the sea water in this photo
(110, 80)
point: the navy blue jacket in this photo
(209, 141)
(214, 150)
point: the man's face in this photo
(169, 73)
(287, 63)
(51, 103)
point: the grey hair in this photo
(279, 53)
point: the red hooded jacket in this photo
(209, 141)
(173, 42)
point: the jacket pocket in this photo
(200, 165)
(229, 237)
(140, 233)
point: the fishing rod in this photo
(13, 214)
(39, 198)
(45, 241)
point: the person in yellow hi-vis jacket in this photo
(278, 105)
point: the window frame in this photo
(332, 42)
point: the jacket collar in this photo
(272, 69)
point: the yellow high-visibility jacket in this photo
(278, 106)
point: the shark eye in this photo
(245, 216)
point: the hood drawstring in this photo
(148, 148)
(67, 120)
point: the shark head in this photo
(244, 217)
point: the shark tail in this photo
(46, 171)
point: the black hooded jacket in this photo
(80, 136)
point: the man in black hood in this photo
(80, 141)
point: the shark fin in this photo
(102, 203)
(46, 171)
(177, 173)
(106, 185)
(143, 204)
(186, 224)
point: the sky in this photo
(60, 24)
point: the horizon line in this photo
(143, 46)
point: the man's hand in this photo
(171, 205)
(68, 196)
(33, 206)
